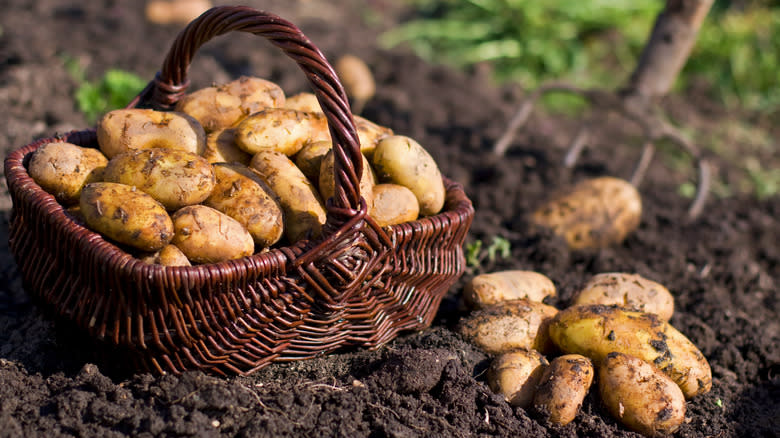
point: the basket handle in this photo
(171, 83)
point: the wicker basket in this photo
(359, 285)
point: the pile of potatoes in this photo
(616, 331)
(234, 170)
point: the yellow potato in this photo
(357, 79)
(640, 396)
(369, 134)
(225, 105)
(126, 215)
(630, 291)
(279, 129)
(327, 179)
(243, 195)
(596, 213)
(597, 330)
(309, 159)
(205, 235)
(171, 255)
(62, 169)
(175, 11)
(221, 147)
(306, 102)
(510, 325)
(393, 204)
(515, 375)
(487, 289)
(174, 178)
(123, 130)
(562, 388)
(401, 160)
(304, 214)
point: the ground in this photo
(722, 269)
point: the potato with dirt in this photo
(327, 179)
(221, 147)
(400, 160)
(597, 330)
(596, 213)
(126, 215)
(369, 134)
(124, 130)
(309, 159)
(223, 106)
(63, 169)
(306, 102)
(563, 387)
(630, 291)
(241, 194)
(205, 235)
(495, 287)
(640, 396)
(281, 130)
(304, 213)
(172, 177)
(515, 375)
(510, 325)
(393, 204)
(170, 255)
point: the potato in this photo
(596, 213)
(309, 159)
(62, 169)
(357, 80)
(126, 215)
(369, 134)
(223, 106)
(279, 129)
(170, 255)
(630, 291)
(123, 130)
(221, 147)
(174, 178)
(306, 102)
(175, 11)
(597, 330)
(401, 160)
(509, 325)
(515, 375)
(304, 214)
(487, 289)
(393, 204)
(327, 179)
(562, 388)
(205, 235)
(640, 396)
(243, 195)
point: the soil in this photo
(723, 269)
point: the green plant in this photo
(499, 248)
(114, 90)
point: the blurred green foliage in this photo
(587, 41)
(114, 90)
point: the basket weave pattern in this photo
(359, 285)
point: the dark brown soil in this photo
(723, 269)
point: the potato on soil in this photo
(126, 215)
(123, 130)
(393, 204)
(241, 194)
(631, 291)
(597, 330)
(306, 102)
(640, 396)
(510, 325)
(170, 255)
(223, 106)
(221, 147)
(205, 235)
(515, 375)
(596, 213)
(563, 387)
(495, 287)
(327, 179)
(304, 214)
(357, 79)
(174, 178)
(175, 11)
(401, 160)
(281, 130)
(309, 159)
(62, 169)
